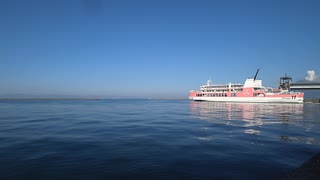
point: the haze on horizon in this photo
(152, 49)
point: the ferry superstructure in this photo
(251, 91)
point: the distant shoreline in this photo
(313, 100)
(1, 99)
(6, 99)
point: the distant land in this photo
(33, 98)
(51, 99)
(81, 97)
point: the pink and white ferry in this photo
(251, 91)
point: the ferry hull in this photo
(251, 99)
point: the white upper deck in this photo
(253, 83)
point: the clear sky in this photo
(152, 48)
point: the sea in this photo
(154, 139)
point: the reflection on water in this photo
(305, 140)
(148, 139)
(253, 113)
(284, 121)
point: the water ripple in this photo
(147, 139)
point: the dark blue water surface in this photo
(154, 139)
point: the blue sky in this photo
(152, 48)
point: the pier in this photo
(305, 86)
(311, 100)
(286, 83)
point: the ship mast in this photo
(256, 75)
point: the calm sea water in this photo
(154, 139)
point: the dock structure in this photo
(311, 100)
(313, 85)
(286, 84)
